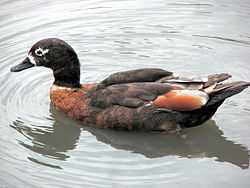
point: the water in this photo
(40, 147)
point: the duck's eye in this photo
(39, 52)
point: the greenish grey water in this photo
(41, 147)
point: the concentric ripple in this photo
(41, 147)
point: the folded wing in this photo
(159, 88)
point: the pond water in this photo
(41, 147)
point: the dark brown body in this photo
(131, 105)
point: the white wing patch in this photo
(203, 96)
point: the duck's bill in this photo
(22, 66)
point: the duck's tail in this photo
(225, 90)
(216, 97)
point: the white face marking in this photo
(32, 59)
(40, 52)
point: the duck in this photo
(150, 99)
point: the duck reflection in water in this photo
(205, 141)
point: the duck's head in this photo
(57, 55)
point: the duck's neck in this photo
(68, 75)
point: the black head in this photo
(57, 55)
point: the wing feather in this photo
(137, 75)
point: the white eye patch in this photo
(40, 52)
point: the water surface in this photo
(41, 147)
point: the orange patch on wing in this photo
(179, 102)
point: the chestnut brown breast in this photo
(73, 102)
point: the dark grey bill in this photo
(22, 66)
